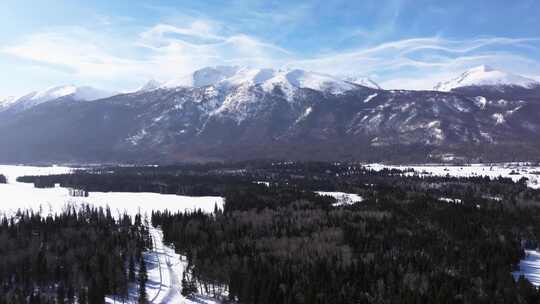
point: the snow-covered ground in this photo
(165, 267)
(15, 196)
(450, 200)
(342, 198)
(165, 270)
(529, 267)
(12, 172)
(515, 171)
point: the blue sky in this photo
(121, 44)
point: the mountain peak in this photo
(82, 93)
(485, 75)
(287, 79)
(6, 101)
(151, 85)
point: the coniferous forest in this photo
(413, 239)
(79, 256)
(385, 250)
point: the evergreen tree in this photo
(142, 281)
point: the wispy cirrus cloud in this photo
(421, 62)
(166, 51)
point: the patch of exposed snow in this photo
(304, 115)
(450, 200)
(499, 118)
(529, 267)
(135, 139)
(370, 97)
(480, 101)
(342, 198)
(267, 184)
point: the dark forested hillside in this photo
(78, 256)
(282, 244)
(377, 252)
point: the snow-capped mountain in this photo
(83, 93)
(223, 77)
(243, 113)
(486, 76)
(5, 102)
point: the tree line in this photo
(400, 245)
(78, 256)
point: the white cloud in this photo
(78, 50)
(421, 62)
(167, 51)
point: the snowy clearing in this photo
(20, 196)
(12, 172)
(529, 267)
(515, 171)
(342, 198)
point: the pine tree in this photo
(131, 273)
(143, 277)
(185, 286)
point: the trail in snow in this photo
(157, 258)
(163, 284)
(165, 269)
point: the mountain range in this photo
(236, 113)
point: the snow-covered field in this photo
(15, 196)
(342, 198)
(165, 267)
(12, 172)
(515, 171)
(529, 267)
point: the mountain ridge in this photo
(279, 119)
(485, 75)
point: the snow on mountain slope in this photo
(486, 76)
(5, 102)
(363, 81)
(204, 77)
(83, 93)
(226, 77)
(289, 80)
(150, 86)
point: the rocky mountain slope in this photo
(230, 113)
